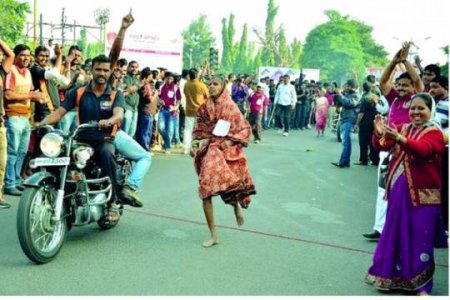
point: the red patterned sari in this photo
(223, 172)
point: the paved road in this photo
(302, 234)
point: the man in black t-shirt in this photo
(96, 105)
(364, 126)
(48, 87)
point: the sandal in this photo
(113, 213)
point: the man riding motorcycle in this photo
(100, 102)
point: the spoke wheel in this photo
(40, 236)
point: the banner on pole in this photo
(150, 50)
(275, 73)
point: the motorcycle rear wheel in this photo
(40, 237)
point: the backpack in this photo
(80, 94)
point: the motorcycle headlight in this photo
(81, 155)
(51, 144)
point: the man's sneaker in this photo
(13, 192)
(20, 187)
(373, 236)
(130, 197)
(167, 151)
(285, 134)
(4, 204)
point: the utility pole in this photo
(63, 23)
(41, 42)
(101, 18)
(74, 33)
(34, 23)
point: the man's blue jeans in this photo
(166, 126)
(144, 130)
(18, 138)
(176, 129)
(129, 123)
(129, 148)
(346, 129)
(69, 122)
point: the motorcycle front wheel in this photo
(41, 238)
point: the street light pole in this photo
(414, 44)
(101, 18)
(34, 23)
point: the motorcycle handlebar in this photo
(48, 127)
(89, 125)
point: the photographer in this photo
(349, 100)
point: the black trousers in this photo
(285, 116)
(365, 146)
(256, 123)
(105, 155)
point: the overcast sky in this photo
(393, 21)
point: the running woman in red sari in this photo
(221, 132)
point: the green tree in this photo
(82, 41)
(283, 55)
(197, 40)
(241, 62)
(13, 19)
(444, 68)
(94, 49)
(228, 46)
(269, 43)
(374, 54)
(342, 48)
(90, 50)
(296, 53)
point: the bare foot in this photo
(211, 242)
(238, 214)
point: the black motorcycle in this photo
(66, 189)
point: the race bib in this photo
(222, 128)
(171, 94)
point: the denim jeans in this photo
(176, 129)
(346, 143)
(68, 122)
(166, 127)
(298, 117)
(129, 123)
(129, 148)
(3, 149)
(144, 130)
(306, 111)
(18, 137)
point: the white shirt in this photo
(229, 86)
(182, 83)
(286, 95)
